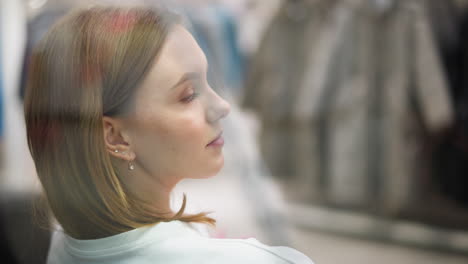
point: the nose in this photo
(219, 108)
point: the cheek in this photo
(186, 142)
(182, 131)
(165, 140)
(187, 137)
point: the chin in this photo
(219, 166)
(213, 171)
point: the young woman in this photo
(118, 111)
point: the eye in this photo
(190, 98)
(193, 92)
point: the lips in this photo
(218, 141)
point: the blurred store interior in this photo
(347, 139)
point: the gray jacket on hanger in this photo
(345, 90)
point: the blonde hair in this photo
(88, 66)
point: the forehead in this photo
(182, 49)
(180, 54)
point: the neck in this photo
(152, 189)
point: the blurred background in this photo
(347, 140)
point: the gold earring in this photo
(131, 166)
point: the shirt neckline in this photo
(127, 240)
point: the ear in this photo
(116, 140)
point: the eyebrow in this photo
(187, 76)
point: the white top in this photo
(169, 243)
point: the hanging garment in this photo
(347, 130)
(379, 115)
(303, 34)
(253, 17)
(379, 119)
(451, 148)
(408, 97)
(445, 22)
(370, 85)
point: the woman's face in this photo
(177, 115)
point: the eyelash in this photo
(190, 98)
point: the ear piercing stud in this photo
(130, 164)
